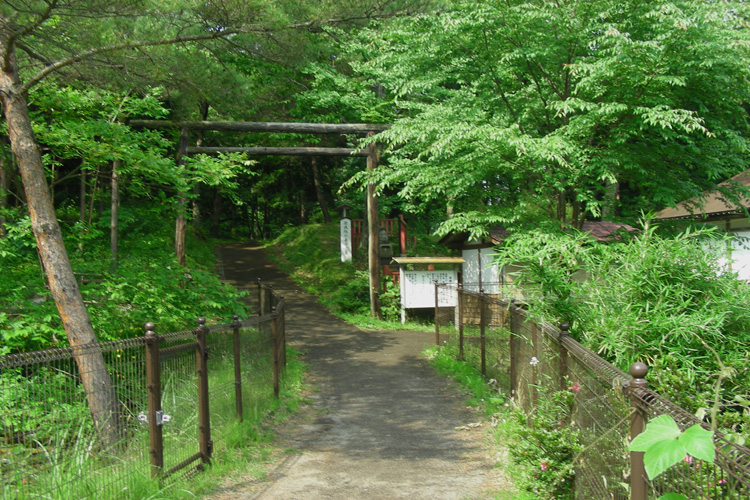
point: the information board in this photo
(418, 289)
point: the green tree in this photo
(513, 109)
(93, 39)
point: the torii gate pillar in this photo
(373, 221)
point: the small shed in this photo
(417, 277)
(481, 272)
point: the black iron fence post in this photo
(638, 479)
(482, 338)
(204, 419)
(237, 366)
(461, 321)
(153, 385)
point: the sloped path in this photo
(382, 425)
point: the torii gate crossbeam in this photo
(370, 152)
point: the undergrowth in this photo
(310, 255)
(537, 453)
(146, 285)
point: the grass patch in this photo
(494, 405)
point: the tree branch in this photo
(51, 68)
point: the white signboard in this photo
(346, 240)
(418, 289)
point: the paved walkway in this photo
(382, 425)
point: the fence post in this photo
(437, 326)
(564, 334)
(638, 481)
(513, 347)
(461, 321)
(282, 331)
(261, 302)
(153, 385)
(534, 369)
(275, 346)
(482, 342)
(237, 367)
(201, 362)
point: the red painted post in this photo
(638, 478)
(402, 235)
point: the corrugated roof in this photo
(605, 231)
(709, 203)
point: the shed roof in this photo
(710, 203)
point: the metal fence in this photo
(178, 396)
(532, 361)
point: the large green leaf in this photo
(659, 429)
(699, 443)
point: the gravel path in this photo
(381, 424)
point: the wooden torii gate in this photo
(370, 152)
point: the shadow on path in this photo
(382, 424)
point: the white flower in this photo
(534, 361)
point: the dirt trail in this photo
(382, 425)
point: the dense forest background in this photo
(530, 114)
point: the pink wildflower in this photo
(544, 465)
(688, 459)
(576, 387)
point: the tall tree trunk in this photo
(319, 190)
(62, 283)
(196, 209)
(94, 194)
(82, 200)
(114, 217)
(180, 231)
(302, 208)
(611, 194)
(216, 213)
(4, 187)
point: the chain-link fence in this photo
(166, 419)
(536, 361)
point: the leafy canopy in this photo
(516, 108)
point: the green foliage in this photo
(664, 445)
(503, 108)
(667, 301)
(146, 286)
(548, 446)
